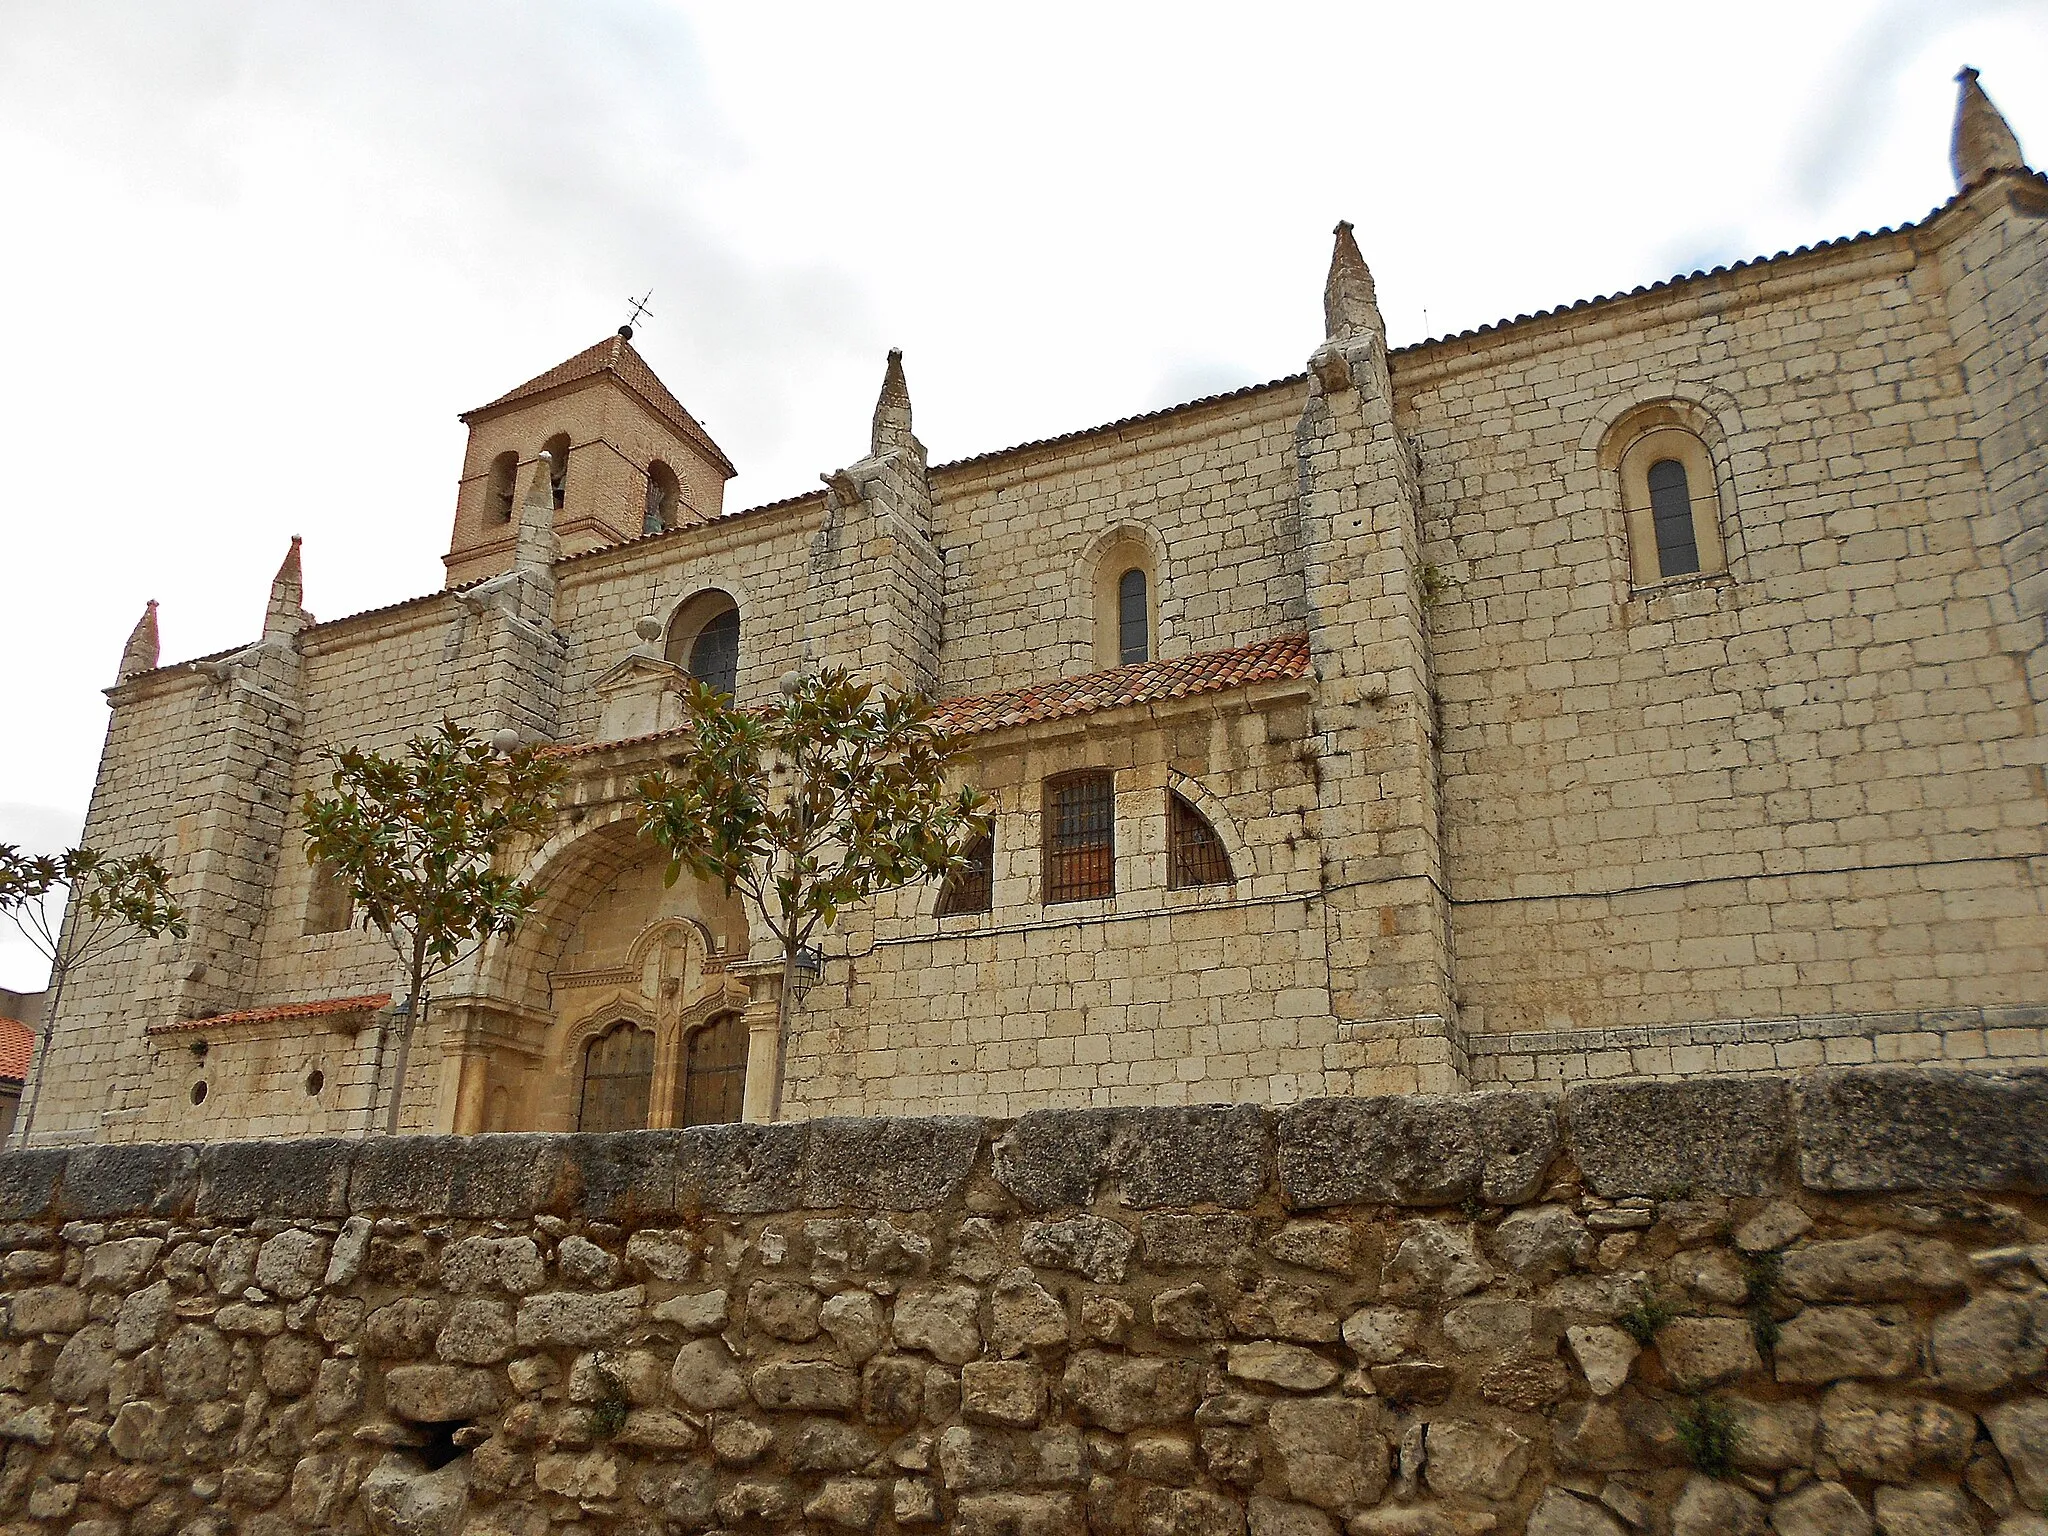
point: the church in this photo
(1649, 686)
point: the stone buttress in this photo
(1377, 801)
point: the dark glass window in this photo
(1678, 551)
(715, 653)
(1194, 853)
(715, 1072)
(971, 889)
(1133, 625)
(618, 1076)
(1080, 837)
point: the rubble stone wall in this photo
(1641, 1307)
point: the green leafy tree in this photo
(416, 840)
(833, 794)
(110, 899)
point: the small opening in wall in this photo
(315, 1081)
(440, 1446)
(199, 1092)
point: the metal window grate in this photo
(1195, 853)
(1678, 550)
(1080, 837)
(715, 654)
(971, 888)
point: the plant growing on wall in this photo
(833, 794)
(416, 839)
(109, 899)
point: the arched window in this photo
(557, 450)
(664, 499)
(715, 1072)
(704, 640)
(618, 1076)
(1120, 575)
(498, 497)
(1671, 500)
(1133, 619)
(972, 887)
(1194, 853)
(1080, 836)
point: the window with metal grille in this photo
(1678, 552)
(1194, 853)
(972, 887)
(1133, 621)
(1080, 836)
(715, 1072)
(715, 653)
(618, 1077)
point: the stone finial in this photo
(537, 546)
(1350, 305)
(892, 409)
(140, 654)
(285, 614)
(1984, 142)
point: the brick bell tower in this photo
(623, 456)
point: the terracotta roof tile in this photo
(17, 1046)
(331, 1005)
(1146, 682)
(615, 356)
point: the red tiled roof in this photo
(17, 1046)
(332, 1005)
(1145, 682)
(615, 356)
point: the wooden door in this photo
(715, 1074)
(618, 1075)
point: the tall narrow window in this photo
(557, 451)
(664, 499)
(715, 1072)
(1678, 551)
(1671, 497)
(1133, 620)
(618, 1076)
(972, 888)
(1080, 836)
(715, 653)
(1194, 853)
(498, 499)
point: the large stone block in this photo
(1865, 1130)
(1706, 1136)
(1417, 1150)
(627, 1176)
(740, 1169)
(28, 1182)
(1145, 1158)
(142, 1179)
(302, 1179)
(896, 1164)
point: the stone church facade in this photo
(1647, 686)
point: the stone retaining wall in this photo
(1701, 1307)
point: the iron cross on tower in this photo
(640, 312)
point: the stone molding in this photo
(1858, 1130)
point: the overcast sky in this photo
(259, 253)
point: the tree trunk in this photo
(782, 1028)
(415, 1010)
(41, 1060)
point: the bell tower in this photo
(622, 455)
